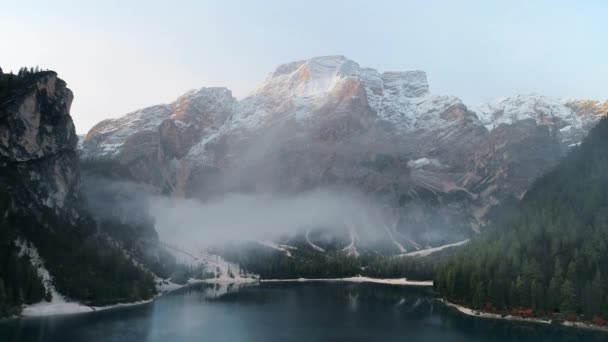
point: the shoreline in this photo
(63, 307)
(357, 279)
(489, 315)
(43, 309)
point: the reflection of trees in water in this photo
(223, 292)
(354, 303)
(335, 292)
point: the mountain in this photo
(440, 170)
(588, 110)
(547, 257)
(51, 248)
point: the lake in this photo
(311, 311)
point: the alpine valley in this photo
(381, 179)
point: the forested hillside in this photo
(548, 257)
(41, 206)
(304, 262)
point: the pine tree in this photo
(568, 297)
(3, 298)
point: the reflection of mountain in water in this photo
(298, 312)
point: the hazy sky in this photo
(118, 56)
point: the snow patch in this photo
(399, 245)
(359, 279)
(351, 249)
(428, 251)
(59, 305)
(543, 110)
(422, 162)
(222, 270)
(312, 244)
(283, 248)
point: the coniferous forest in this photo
(19, 281)
(548, 258)
(308, 263)
(86, 265)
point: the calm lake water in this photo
(286, 312)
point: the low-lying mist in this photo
(238, 217)
(268, 215)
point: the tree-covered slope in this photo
(548, 257)
(42, 212)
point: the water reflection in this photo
(134, 325)
(286, 312)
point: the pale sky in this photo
(118, 56)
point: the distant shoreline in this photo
(357, 279)
(478, 313)
(77, 308)
(43, 309)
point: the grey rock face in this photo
(146, 143)
(38, 146)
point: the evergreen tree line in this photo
(86, 266)
(548, 258)
(333, 263)
(84, 263)
(11, 83)
(19, 281)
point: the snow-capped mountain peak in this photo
(307, 77)
(400, 97)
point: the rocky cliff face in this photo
(439, 167)
(43, 214)
(38, 154)
(149, 142)
(589, 111)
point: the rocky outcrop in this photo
(146, 143)
(589, 111)
(38, 146)
(527, 136)
(439, 167)
(560, 120)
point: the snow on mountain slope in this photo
(543, 110)
(298, 88)
(351, 249)
(195, 114)
(300, 92)
(311, 244)
(222, 270)
(589, 111)
(569, 119)
(58, 304)
(279, 247)
(429, 251)
(117, 131)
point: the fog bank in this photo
(238, 217)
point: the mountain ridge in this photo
(327, 120)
